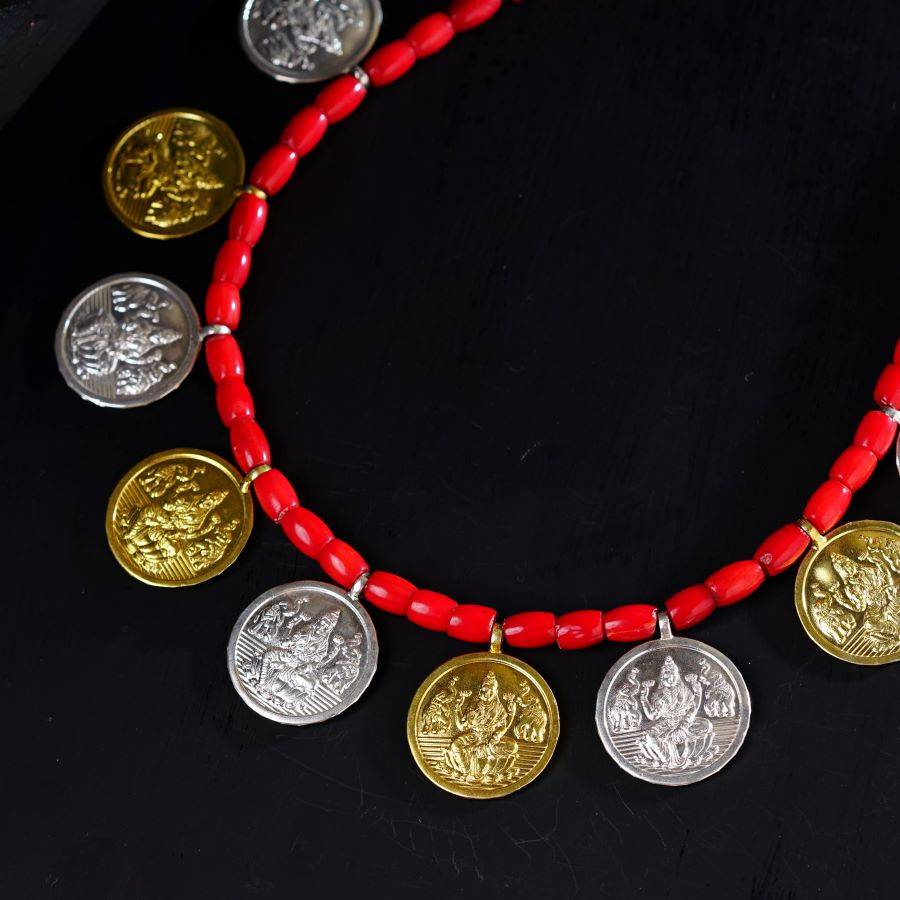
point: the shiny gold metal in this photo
(252, 475)
(173, 173)
(178, 518)
(483, 725)
(252, 189)
(848, 592)
(819, 540)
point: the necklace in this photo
(671, 711)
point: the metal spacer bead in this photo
(252, 475)
(212, 330)
(251, 189)
(815, 535)
(360, 74)
(359, 586)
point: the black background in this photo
(575, 313)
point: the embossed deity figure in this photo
(678, 737)
(532, 723)
(438, 717)
(298, 29)
(719, 694)
(625, 713)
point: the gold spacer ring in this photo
(816, 536)
(496, 638)
(252, 475)
(251, 189)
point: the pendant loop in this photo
(665, 625)
(815, 535)
(358, 586)
(496, 638)
(252, 475)
(208, 331)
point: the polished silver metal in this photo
(308, 40)
(208, 331)
(302, 653)
(891, 413)
(673, 711)
(359, 586)
(362, 76)
(127, 340)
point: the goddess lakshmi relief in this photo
(298, 29)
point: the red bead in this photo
(305, 130)
(854, 467)
(876, 433)
(232, 263)
(634, 622)
(341, 98)
(248, 219)
(690, 606)
(223, 358)
(249, 445)
(469, 622)
(223, 304)
(530, 629)
(389, 592)
(582, 628)
(828, 504)
(342, 563)
(430, 610)
(782, 549)
(233, 401)
(887, 391)
(467, 14)
(389, 62)
(306, 531)
(274, 169)
(433, 33)
(275, 494)
(736, 581)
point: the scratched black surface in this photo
(574, 314)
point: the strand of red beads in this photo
(438, 612)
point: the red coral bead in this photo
(430, 35)
(342, 563)
(232, 263)
(633, 622)
(223, 304)
(249, 445)
(233, 401)
(306, 531)
(389, 62)
(473, 623)
(530, 629)
(341, 98)
(305, 130)
(430, 610)
(690, 606)
(467, 14)
(274, 169)
(223, 358)
(854, 467)
(248, 219)
(876, 433)
(275, 494)
(578, 629)
(887, 391)
(736, 581)
(782, 549)
(828, 504)
(389, 592)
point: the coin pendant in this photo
(302, 653)
(308, 40)
(173, 173)
(483, 725)
(847, 592)
(127, 340)
(178, 518)
(673, 711)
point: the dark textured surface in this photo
(576, 313)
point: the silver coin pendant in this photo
(302, 653)
(127, 340)
(673, 711)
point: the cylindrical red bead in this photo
(248, 219)
(223, 304)
(305, 130)
(530, 629)
(578, 629)
(633, 622)
(854, 467)
(275, 494)
(736, 581)
(690, 606)
(232, 263)
(467, 14)
(249, 445)
(389, 62)
(342, 563)
(431, 34)
(306, 531)
(274, 169)
(887, 391)
(223, 357)
(389, 592)
(233, 401)
(430, 610)
(876, 433)
(828, 504)
(341, 98)
(782, 549)
(473, 623)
